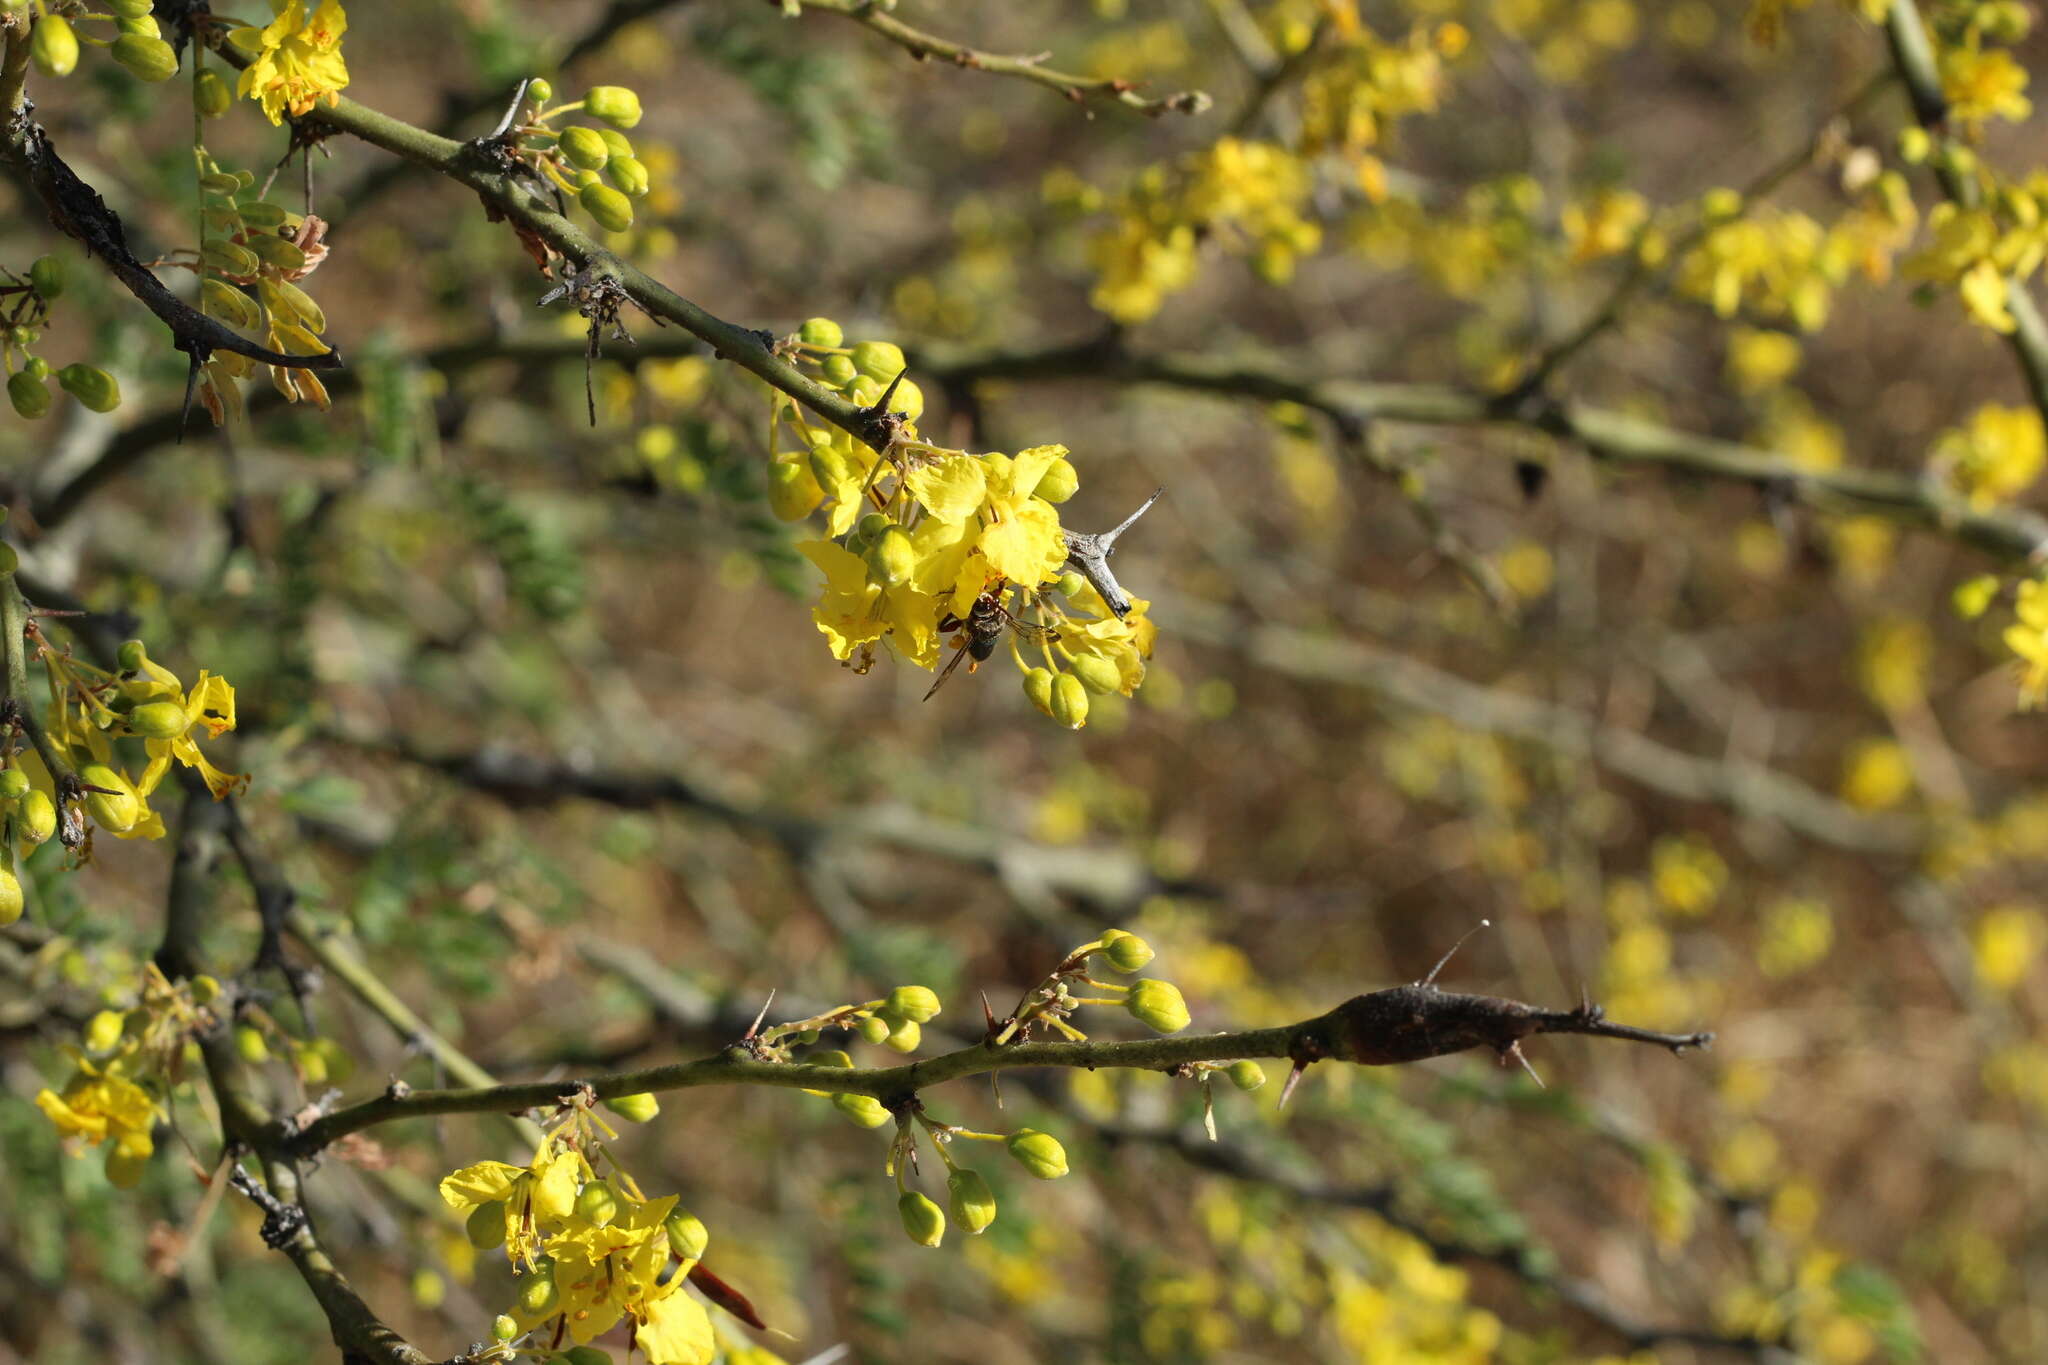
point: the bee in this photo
(982, 631)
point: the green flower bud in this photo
(1071, 583)
(838, 371)
(821, 332)
(892, 558)
(53, 47)
(923, 1221)
(13, 784)
(920, 1003)
(146, 56)
(334, 1058)
(205, 989)
(37, 820)
(117, 812)
(793, 491)
(687, 1235)
(537, 1292)
(612, 210)
(613, 104)
(972, 1202)
(134, 654)
(1097, 674)
(865, 1110)
(597, 1204)
(616, 142)
(1038, 687)
(1038, 1153)
(635, 1108)
(831, 1057)
(47, 275)
(11, 900)
(585, 1355)
(880, 361)
(1158, 1006)
(132, 9)
(872, 1028)
(503, 1328)
(38, 368)
(28, 395)
(103, 1031)
(126, 1168)
(485, 1226)
(250, 1044)
(159, 720)
(585, 149)
(629, 173)
(211, 96)
(808, 1036)
(145, 24)
(1246, 1075)
(1125, 952)
(1059, 482)
(1069, 701)
(540, 90)
(904, 1035)
(312, 1064)
(829, 466)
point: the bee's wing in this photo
(959, 653)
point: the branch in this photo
(1403, 1024)
(924, 46)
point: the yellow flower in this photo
(98, 1106)
(1022, 540)
(296, 60)
(544, 1192)
(1997, 455)
(209, 705)
(605, 1273)
(2005, 942)
(2028, 638)
(1982, 85)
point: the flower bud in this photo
(821, 332)
(585, 149)
(37, 820)
(537, 1293)
(116, 812)
(829, 465)
(312, 1065)
(91, 386)
(485, 1226)
(634, 1108)
(865, 1110)
(809, 1036)
(1158, 1006)
(144, 24)
(146, 56)
(503, 1328)
(972, 1202)
(612, 210)
(919, 1003)
(47, 275)
(1059, 482)
(585, 1355)
(1069, 701)
(159, 720)
(132, 9)
(1125, 952)
(540, 90)
(872, 1028)
(1097, 674)
(1038, 687)
(892, 559)
(614, 104)
(1246, 1075)
(211, 95)
(904, 1035)
(832, 1057)
(103, 1031)
(838, 371)
(53, 47)
(249, 1044)
(1038, 1153)
(923, 1221)
(597, 1205)
(687, 1235)
(880, 361)
(205, 989)
(793, 491)
(1071, 583)
(616, 142)
(28, 395)
(133, 655)
(13, 784)
(11, 900)
(629, 173)
(125, 1165)
(37, 367)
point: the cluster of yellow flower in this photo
(295, 61)
(590, 1250)
(922, 540)
(1780, 263)
(1996, 455)
(128, 1057)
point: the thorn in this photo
(1430, 980)
(881, 405)
(1514, 1050)
(995, 1085)
(755, 1027)
(1293, 1079)
(988, 1017)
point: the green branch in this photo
(927, 46)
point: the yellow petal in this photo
(676, 1331)
(952, 489)
(479, 1184)
(1026, 545)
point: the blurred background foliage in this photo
(537, 721)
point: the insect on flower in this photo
(982, 631)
